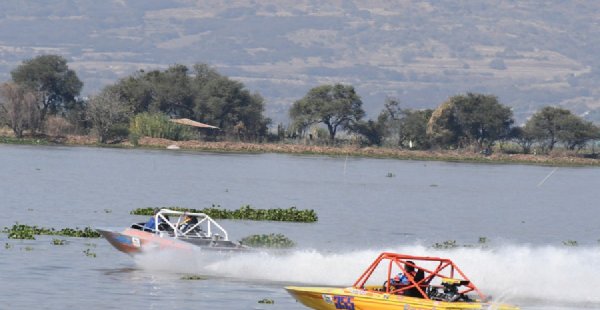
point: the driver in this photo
(401, 278)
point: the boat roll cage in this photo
(446, 272)
(210, 228)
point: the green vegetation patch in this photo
(21, 231)
(266, 301)
(246, 212)
(59, 241)
(89, 253)
(276, 241)
(452, 244)
(193, 277)
(158, 125)
(24, 141)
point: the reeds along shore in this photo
(556, 158)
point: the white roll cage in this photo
(202, 229)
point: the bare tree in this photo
(18, 107)
(105, 111)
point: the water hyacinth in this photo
(276, 241)
(452, 244)
(193, 277)
(448, 244)
(89, 253)
(22, 231)
(59, 242)
(246, 212)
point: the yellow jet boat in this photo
(410, 283)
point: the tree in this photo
(166, 91)
(336, 106)
(49, 76)
(545, 124)
(575, 132)
(226, 104)
(523, 137)
(551, 125)
(202, 94)
(136, 91)
(371, 130)
(413, 128)
(390, 116)
(172, 93)
(471, 119)
(18, 107)
(443, 128)
(407, 127)
(106, 111)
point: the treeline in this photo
(475, 121)
(43, 97)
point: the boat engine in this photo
(450, 291)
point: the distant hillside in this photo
(529, 53)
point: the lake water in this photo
(365, 206)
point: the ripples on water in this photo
(361, 213)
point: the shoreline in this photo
(463, 156)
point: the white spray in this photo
(564, 275)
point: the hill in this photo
(529, 53)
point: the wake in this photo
(510, 273)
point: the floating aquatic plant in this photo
(193, 277)
(246, 212)
(89, 253)
(570, 243)
(266, 301)
(390, 175)
(448, 244)
(277, 241)
(21, 231)
(451, 244)
(59, 241)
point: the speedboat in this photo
(430, 283)
(175, 230)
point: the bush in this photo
(58, 126)
(158, 125)
(117, 132)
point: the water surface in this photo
(365, 206)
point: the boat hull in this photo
(323, 298)
(134, 241)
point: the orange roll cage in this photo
(445, 269)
